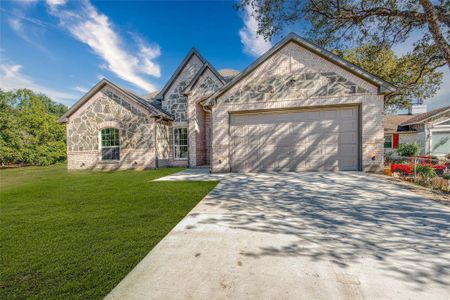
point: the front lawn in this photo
(76, 235)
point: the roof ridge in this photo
(292, 36)
(426, 115)
(200, 72)
(98, 86)
(180, 67)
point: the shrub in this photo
(426, 172)
(408, 150)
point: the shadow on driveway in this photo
(341, 218)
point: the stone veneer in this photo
(294, 77)
(199, 120)
(108, 108)
(174, 100)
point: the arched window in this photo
(110, 144)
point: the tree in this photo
(413, 80)
(345, 24)
(338, 22)
(29, 131)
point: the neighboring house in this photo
(298, 107)
(431, 130)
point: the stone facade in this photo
(292, 77)
(318, 82)
(199, 130)
(110, 109)
(174, 100)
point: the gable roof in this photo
(425, 116)
(180, 68)
(383, 86)
(202, 70)
(392, 122)
(150, 106)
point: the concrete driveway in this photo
(300, 236)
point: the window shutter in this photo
(395, 141)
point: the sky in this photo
(63, 48)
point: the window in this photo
(180, 143)
(388, 141)
(110, 144)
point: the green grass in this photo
(77, 234)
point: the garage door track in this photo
(300, 236)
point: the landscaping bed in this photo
(426, 171)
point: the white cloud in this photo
(56, 2)
(32, 32)
(26, 2)
(254, 44)
(11, 78)
(95, 29)
(81, 89)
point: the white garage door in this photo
(306, 140)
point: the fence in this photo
(425, 170)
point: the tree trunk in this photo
(433, 26)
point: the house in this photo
(297, 107)
(394, 134)
(431, 130)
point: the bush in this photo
(426, 172)
(408, 150)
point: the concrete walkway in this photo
(300, 236)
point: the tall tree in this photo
(337, 22)
(410, 73)
(350, 24)
(29, 131)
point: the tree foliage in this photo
(347, 24)
(413, 81)
(340, 23)
(29, 131)
(408, 150)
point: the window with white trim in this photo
(110, 144)
(180, 143)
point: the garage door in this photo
(304, 140)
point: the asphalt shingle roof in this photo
(423, 117)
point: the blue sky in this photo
(63, 48)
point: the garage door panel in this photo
(297, 164)
(296, 141)
(348, 113)
(348, 126)
(329, 115)
(330, 150)
(330, 138)
(301, 129)
(253, 130)
(314, 163)
(348, 138)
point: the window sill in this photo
(180, 158)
